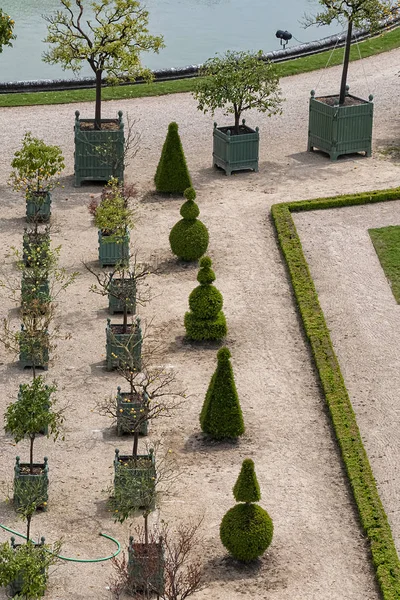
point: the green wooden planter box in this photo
(127, 410)
(146, 567)
(236, 152)
(23, 480)
(338, 129)
(117, 304)
(38, 208)
(36, 244)
(141, 478)
(123, 347)
(99, 153)
(18, 583)
(36, 355)
(112, 251)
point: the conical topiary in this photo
(205, 321)
(221, 415)
(246, 530)
(189, 236)
(172, 175)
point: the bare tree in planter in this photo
(342, 124)
(110, 37)
(236, 82)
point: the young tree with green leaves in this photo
(236, 82)
(354, 13)
(6, 30)
(246, 530)
(109, 36)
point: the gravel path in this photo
(318, 550)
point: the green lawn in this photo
(382, 43)
(386, 241)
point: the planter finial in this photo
(347, 90)
(42, 540)
(243, 121)
(312, 93)
(370, 97)
(215, 124)
(119, 389)
(77, 113)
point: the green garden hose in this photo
(79, 560)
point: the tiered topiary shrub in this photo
(172, 175)
(246, 530)
(205, 321)
(221, 416)
(189, 236)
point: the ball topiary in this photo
(246, 531)
(172, 175)
(221, 416)
(189, 237)
(205, 321)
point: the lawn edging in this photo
(370, 509)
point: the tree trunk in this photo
(28, 527)
(97, 116)
(135, 443)
(31, 455)
(237, 121)
(345, 63)
(146, 529)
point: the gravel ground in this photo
(318, 550)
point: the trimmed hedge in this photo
(189, 237)
(371, 512)
(172, 175)
(246, 531)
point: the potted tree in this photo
(111, 42)
(236, 82)
(114, 219)
(32, 413)
(342, 124)
(36, 169)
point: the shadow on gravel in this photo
(199, 441)
(182, 344)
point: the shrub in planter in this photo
(221, 416)
(36, 170)
(172, 175)
(205, 321)
(246, 530)
(189, 237)
(35, 247)
(124, 345)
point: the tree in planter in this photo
(236, 82)
(221, 415)
(37, 167)
(246, 530)
(354, 13)
(189, 237)
(205, 320)
(110, 42)
(172, 175)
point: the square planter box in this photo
(128, 411)
(123, 347)
(338, 129)
(111, 251)
(38, 208)
(139, 476)
(35, 354)
(25, 480)
(99, 153)
(126, 287)
(234, 152)
(18, 583)
(146, 567)
(36, 244)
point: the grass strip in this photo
(371, 512)
(386, 241)
(376, 45)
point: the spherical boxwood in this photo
(246, 531)
(206, 301)
(189, 237)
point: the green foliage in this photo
(221, 416)
(246, 488)
(111, 42)
(236, 82)
(30, 493)
(36, 166)
(30, 563)
(386, 241)
(372, 514)
(32, 413)
(113, 215)
(189, 237)
(134, 490)
(246, 531)
(205, 321)
(363, 13)
(172, 175)
(6, 30)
